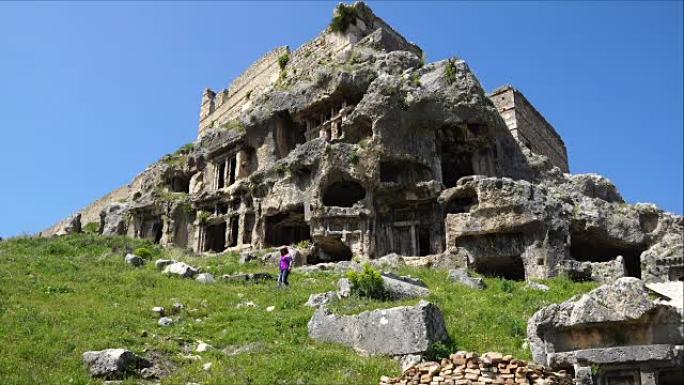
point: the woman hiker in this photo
(286, 263)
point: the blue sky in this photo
(91, 93)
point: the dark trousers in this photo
(282, 278)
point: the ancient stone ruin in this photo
(354, 147)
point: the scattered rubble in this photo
(134, 260)
(464, 368)
(180, 269)
(461, 276)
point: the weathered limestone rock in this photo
(604, 272)
(205, 278)
(72, 225)
(113, 364)
(160, 264)
(402, 287)
(113, 219)
(395, 331)
(180, 269)
(613, 325)
(389, 261)
(344, 287)
(165, 321)
(461, 276)
(134, 260)
(248, 277)
(320, 299)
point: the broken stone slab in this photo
(159, 310)
(621, 313)
(114, 364)
(160, 264)
(320, 299)
(461, 276)
(395, 331)
(537, 286)
(603, 272)
(180, 269)
(662, 353)
(205, 278)
(408, 361)
(242, 277)
(338, 267)
(344, 286)
(134, 260)
(403, 287)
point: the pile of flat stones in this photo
(464, 368)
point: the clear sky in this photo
(92, 93)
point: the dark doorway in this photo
(507, 267)
(287, 228)
(179, 184)
(157, 228)
(234, 224)
(221, 175)
(423, 241)
(215, 237)
(343, 194)
(330, 249)
(586, 246)
(231, 176)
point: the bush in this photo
(367, 283)
(91, 228)
(450, 72)
(143, 252)
(344, 16)
(283, 60)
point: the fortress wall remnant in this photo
(528, 126)
(220, 107)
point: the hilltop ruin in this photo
(354, 145)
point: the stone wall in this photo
(465, 368)
(217, 108)
(529, 127)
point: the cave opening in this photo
(507, 267)
(157, 231)
(404, 172)
(179, 184)
(330, 249)
(215, 237)
(287, 228)
(586, 246)
(462, 204)
(343, 194)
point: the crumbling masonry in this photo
(354, 145)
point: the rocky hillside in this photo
(64, 296)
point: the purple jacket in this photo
(285, 261)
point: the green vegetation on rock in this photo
(344, 17)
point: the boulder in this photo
(165, 321)
(461, 276)
(320, 299)
(403, 287)
(113, 364)
(620, 313)
(248, 277)
(389, 261)
(72, 225)
(134, 260)
(113, 219)
(205, 278)
(344, 287)
(537, 286)
(395, 331)
(180, 269)
(160, 264)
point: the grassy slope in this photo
(60, 297)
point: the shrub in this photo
(283, 60)
(450, 72)
(143, 252)
(367, 283)
(91, 228)
(344, 16)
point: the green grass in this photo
(62, 296)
